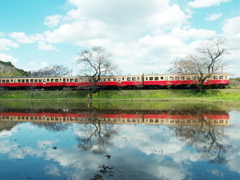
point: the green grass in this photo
(222, 95)
(226, 94)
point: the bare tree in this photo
(204, 63)
(96, 63)
(54, 70)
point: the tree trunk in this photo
(94, 88)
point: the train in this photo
(218, 80)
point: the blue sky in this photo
(144, 36)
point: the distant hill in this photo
(7, 70)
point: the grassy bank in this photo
(209, 95)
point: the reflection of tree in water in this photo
(207, 138)
(55, 127)
(96, 137)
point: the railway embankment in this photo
(230, 95)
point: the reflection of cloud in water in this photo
(234, 164)
(52, 170)
(171, 171)
(45, 144)
(6, 146)
(160, 142)
(6, 133)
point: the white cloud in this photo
(213, 17)
(6, 44)
(132, 34)
(21, 37)
(32, 63)
(7, 58)
(46, 47)
(169, 18)
(232, 32)
(208, 3)
(52, 20)
(77, 31)
(43, 64)
(117, 12)
(192, 33)
(117, 21)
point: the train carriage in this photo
(131, 82)
(159, 81)
(32, 82)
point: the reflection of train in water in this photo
(112, 82)
(121, 118)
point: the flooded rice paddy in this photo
(94, 141)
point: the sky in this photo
(144, 36)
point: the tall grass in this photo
(225, 94)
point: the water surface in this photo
(118, 141)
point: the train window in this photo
(182, 78)
(47, 80)
(215, 77)
(7, 81)
(15, 80)
(171, 78)
(0, 80)
(134, 79)
(52, 80)
(150, 78)
(31, 80)
(138, 78)
(161, 78)
(128, 79)
(166, 78)
(188, 78)
(114, 79)
(3, 81)
(156, 78)
(23, 80)
(76, 80)
(146, 78)
(119, 79)
(56, 80)
(40, 80)
(225, 77)
(109, 79)
(27, 80)
(35, 80)
(176, 78)
(220, 77)
(71, 80)
(122, 79)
